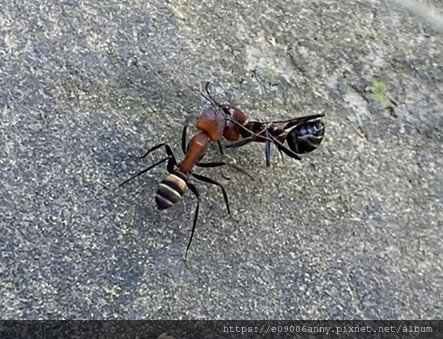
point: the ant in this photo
(225, 121)
(213, 124)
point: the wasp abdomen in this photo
(307, 137)
(170, 190)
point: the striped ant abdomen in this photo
(171, 189)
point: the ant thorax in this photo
(212, 122)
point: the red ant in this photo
(215, 123)
(226, 121)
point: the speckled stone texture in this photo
(352, 231)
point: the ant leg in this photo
(213, 164)
(210, 181)
(167, 148)
(284, 149)
(240, 143)
(210, 164)
(220, 147)
(171, 161)
(267, 150)
(281, 155)
(241, 170)
(197, 195)
(217, 164)
(185, 127)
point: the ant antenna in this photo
(208, 96)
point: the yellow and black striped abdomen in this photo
(170, 190)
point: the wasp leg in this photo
(284, 149)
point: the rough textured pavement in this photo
(352, 231)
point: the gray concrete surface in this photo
(352, 231)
